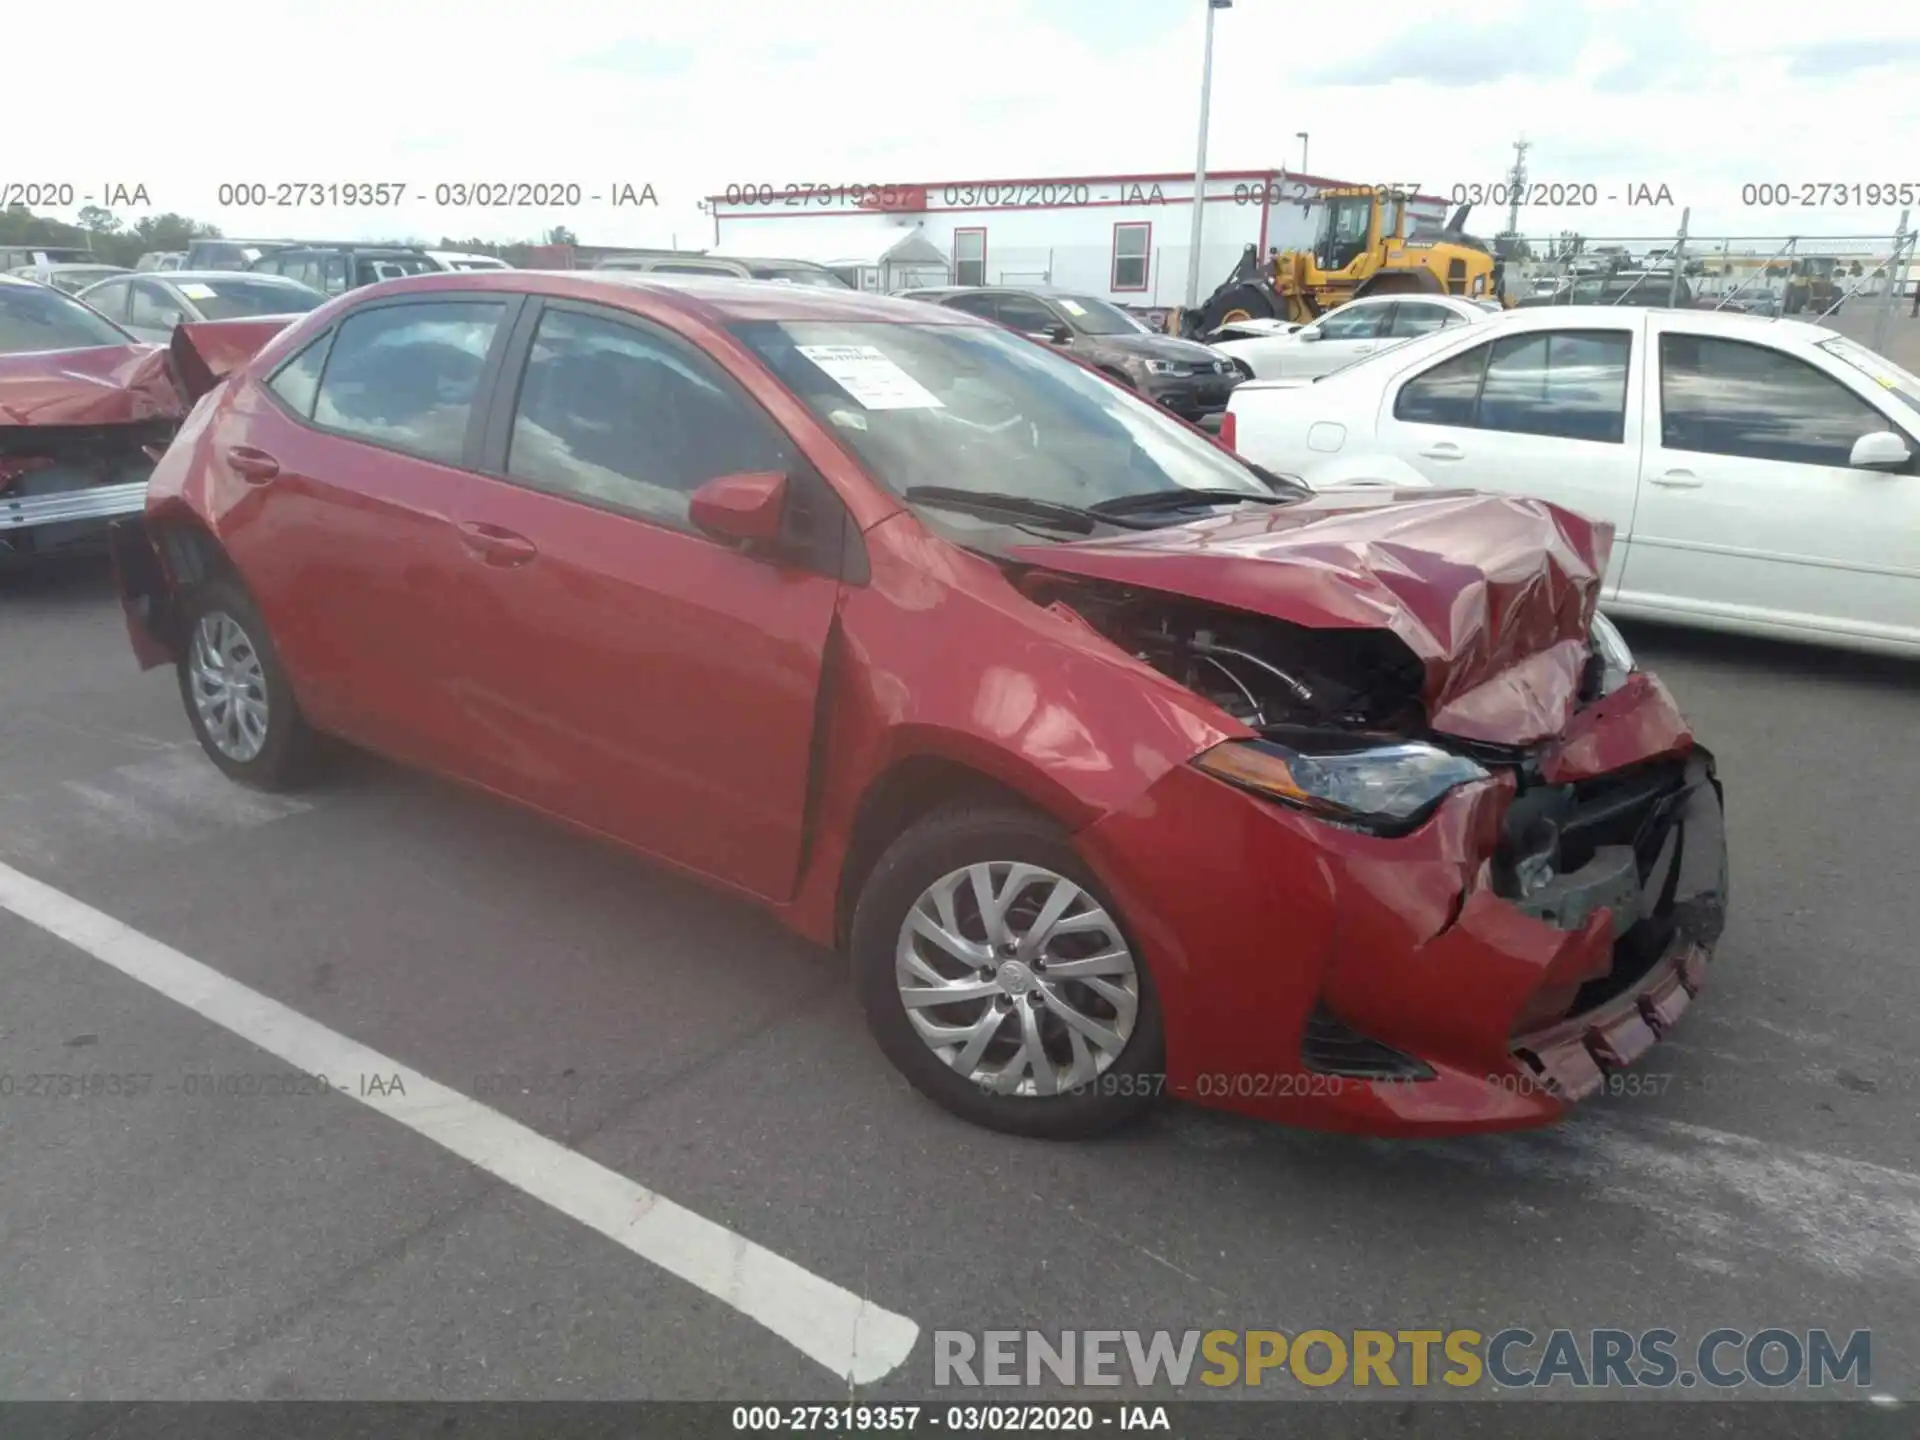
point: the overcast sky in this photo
(689, 95)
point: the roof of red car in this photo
(720, 300)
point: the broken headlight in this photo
(1387, 787)
(1610, 649)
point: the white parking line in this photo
(855, 1339)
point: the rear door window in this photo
(1359, 322)
(1446, 394)
(1025, 314)
(405, 376)
(1417, 317)
(297, 381)
(1567, 383)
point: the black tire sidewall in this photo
(1258, 304)
(936, 846)
(282, 760)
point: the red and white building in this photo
(1122, 237)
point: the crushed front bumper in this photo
(1429, 984)
(1192, 397)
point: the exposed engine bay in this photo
(1266, 673)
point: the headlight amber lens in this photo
(1387, 786)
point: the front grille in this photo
(1558, 830)
(1333, 1047)
(1632, 807)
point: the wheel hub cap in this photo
(229, 686)
(1017, 978)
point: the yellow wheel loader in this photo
(1365, 247)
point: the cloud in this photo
(1829, 59)
(691, 97)
(1453, 54)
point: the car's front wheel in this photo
(238, 700)
(999, 979)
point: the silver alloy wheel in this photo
(1017, 978)
(229, 686)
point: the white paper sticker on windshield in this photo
(1072, 307)
(865, 373)
(196, 291)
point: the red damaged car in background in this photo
(1118, 766)
(86, 409)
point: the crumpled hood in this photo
(126, 384)
(104, 385)
(1493, 594)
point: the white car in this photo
(1276, 349)
(1759, 474)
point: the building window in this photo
(1131, 244)
(970, 256)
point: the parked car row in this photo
(1760, 474)
(1184, 376)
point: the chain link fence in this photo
(1811, 277)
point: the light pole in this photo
(1200, 163)
(1301, 136)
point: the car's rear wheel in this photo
(999, 979)
(238, 700)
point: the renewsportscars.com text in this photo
(1511, 1358)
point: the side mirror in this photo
(741, 507)
(1306, 336)
(1882, 450)
(1060, 335)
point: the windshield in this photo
(1903, 385)
(76, 280)
(974, 408)
(35, 318)
(794, 275)
(1097, 317)
(224, 299)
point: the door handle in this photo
(1676, 480)
(495, 545)
(1363, 349)
(1444, 451)
(256, 467)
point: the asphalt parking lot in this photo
(175, 1244)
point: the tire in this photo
(1241, 302)
(278, 755)
(1096, 1087)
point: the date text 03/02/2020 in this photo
(461, 194)
(953, 1419)
(972, 195)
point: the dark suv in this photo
(1184, 376)
(336, 269)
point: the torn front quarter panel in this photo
(1492, 595)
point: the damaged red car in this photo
(1118, 767)
(85, 410)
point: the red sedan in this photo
(1117, 766)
